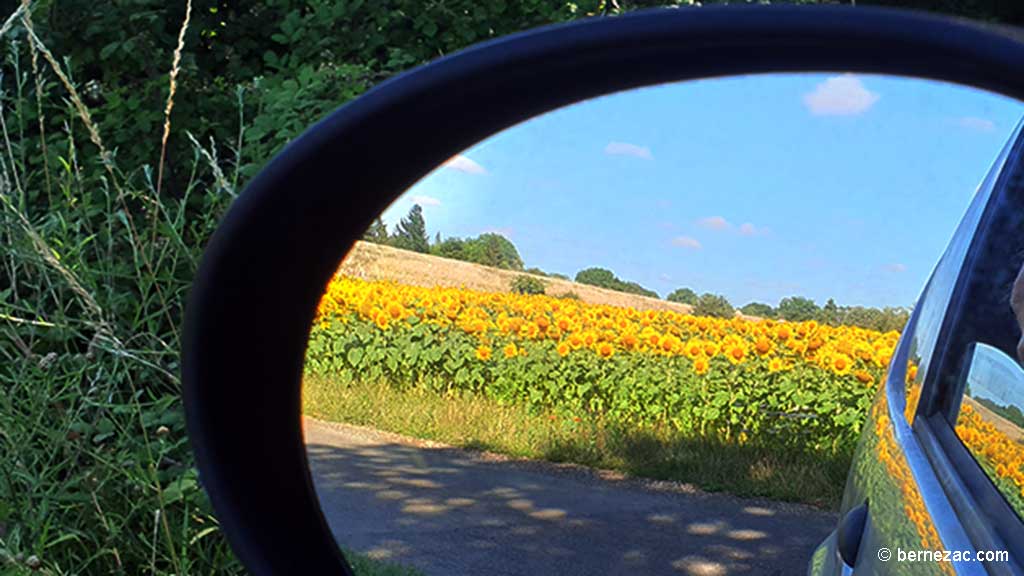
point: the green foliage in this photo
(1008, 411)
(294, 61)
(683, 296)
(830, 313)
(524, 284)
(758, 309)
(453, 248)
(604, 278)
(714, 305)
(600, 277)
(798, 309)
(488, 249)
(804, 407)
(883, 320)
(377, 232)
(93, 428)
(539, 272)
(493, 250)
(411, 232)
(568, 296)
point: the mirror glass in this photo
(641, 333)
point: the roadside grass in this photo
(96, 474)
(476, 422)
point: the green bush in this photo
(798, 309)
(758, 309)
(568, 296)
(683, 296)
(524, 284)
(713, 305)
(603, 278)
(493, 250)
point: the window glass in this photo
(991, 419)
(936, 296)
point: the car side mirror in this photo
(287, 232)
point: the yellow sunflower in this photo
(841, 364)
(563, 349)
(763, 346)
(701, 365)
(735, 353)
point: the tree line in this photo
(798, 309)
(492, 249)
(488, 249)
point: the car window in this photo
(934, 304)
(972, 391)
(990, 422)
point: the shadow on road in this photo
(449, 511)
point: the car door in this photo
(919, 484)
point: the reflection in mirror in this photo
(545, 355)
(991, 421)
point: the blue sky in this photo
(755, 187)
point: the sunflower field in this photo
(804, 385)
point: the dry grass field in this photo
(370, 261)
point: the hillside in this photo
(370, 261)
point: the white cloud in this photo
(843, 95)
(748, 229)
(425, 200)
(975, 123)
(465, 164)
(714, 223)
(686, 242)
(627, 149)
(896, 267)
(664, 277)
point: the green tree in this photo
(494, 250)
(604, 278)
(634, 288)
(830, 313)
(454, 248)
(411, 232)
(524, 284)
(758, 309)
(377, 232)
(714, 305)
(798, 309)
(599, 277)
(683, 296)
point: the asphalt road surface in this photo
(452, 512)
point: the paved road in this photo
(452, 512)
